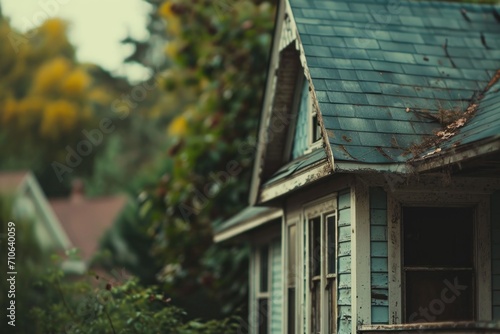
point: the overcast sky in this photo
(96, 27)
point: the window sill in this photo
(433, 327)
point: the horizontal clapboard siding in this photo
(344, 262)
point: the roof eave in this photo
(304, 178)
(247, 224)
(359, 167)
(458, 154)
(266, 103)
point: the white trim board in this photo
(249, 224)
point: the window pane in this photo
(263, 316)
(264, 269)
(332, 302)
(315, 246)
(439, 296)
(301, 136)
(291, 311)
(316, 307)
(331, 244)
(438, 264)
(438, 237)
(316, 130)
(292, 248)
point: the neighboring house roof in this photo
(375, 82)
(30, 203)
(85, 220)
(10, 181)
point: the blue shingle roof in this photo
(485, 123)
(377, 65)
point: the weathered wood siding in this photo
(495, 253)
(378, 251)
(276, 302)
(344, 262)
(279, 121)
(301, 136)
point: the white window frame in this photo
(482, 251)
(311, 143)
(323, 208)
(312, 112)
(287, 271)
(255, 293)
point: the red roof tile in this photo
(10, 180)
(85, 220)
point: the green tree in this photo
(46, 99)
(29, 260)
(218, 54)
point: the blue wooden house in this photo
(375, 200)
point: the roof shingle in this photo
(371, 61)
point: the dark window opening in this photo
(331, 244)
(292, 273)
(315, 225)
(291, 310)
(263, 315)
(316, 129)
(438, 263)
(322, 252)
(264, 269)
(263, 290)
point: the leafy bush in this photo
(117, 307)
(49, 301)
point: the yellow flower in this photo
(58, 117)
(172, 49)
(100, 96)
(49, 75)
(25, 112)
(54, 28)
(174, 26)
(165, 10)
(9, 110)
(75, 83)
(178, 126)
(28, 111)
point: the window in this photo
(322, 251)
(438, 264)
(292, 277)
(315, 131)
(263, 290)
(307, 132)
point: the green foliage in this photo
(218, 54)
(29, 259)
(128, 245)
(118, 307)
(49, 301)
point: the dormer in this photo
(292, 140)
